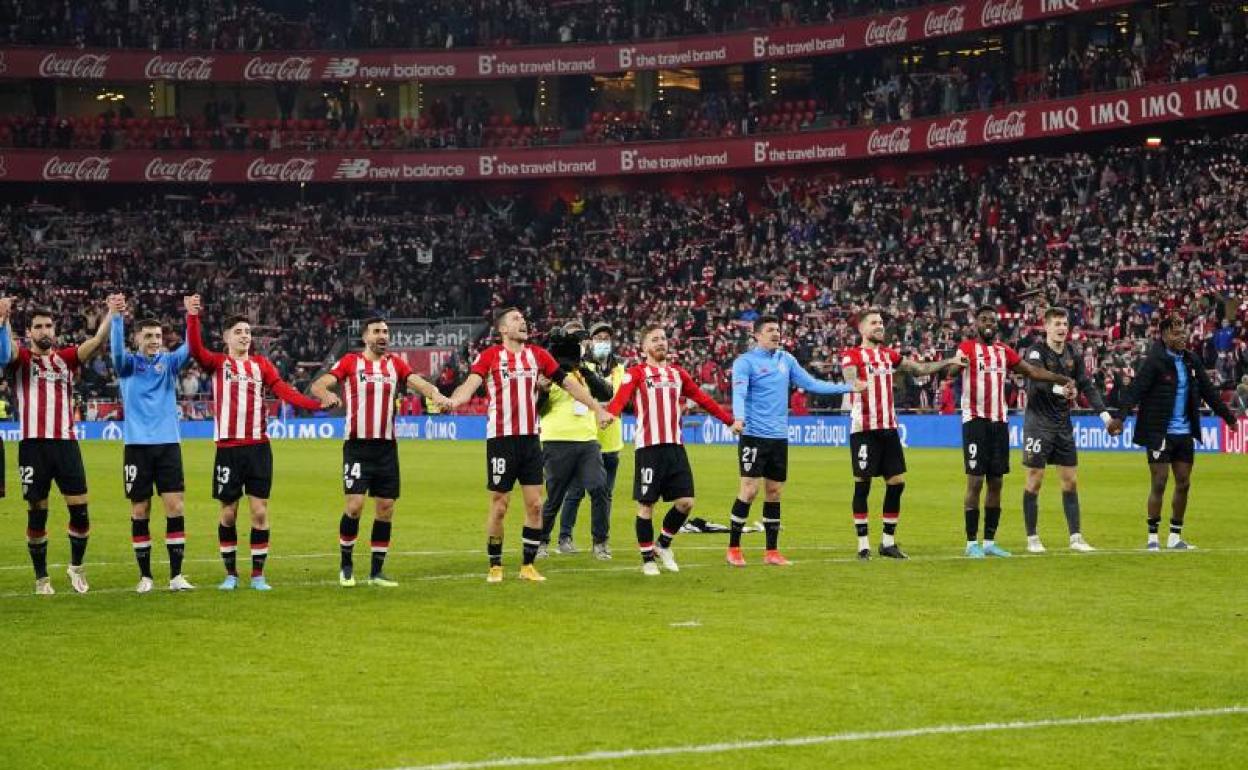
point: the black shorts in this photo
(662, 471)
(763, 458)
(41, 461)
(371, 466)
(986, 447)
(511, 459)
(242, 469)
(876, 453)
(1048, 445)
(1173, 449)
(148, 464)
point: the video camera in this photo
(565, 345)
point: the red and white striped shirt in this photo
(238, 387)
(369, 389)
(984, 378)
(45, 386)
(658, 394)
(511, 384)
(874, 408)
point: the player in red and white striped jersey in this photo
(244, 459)
(986, 364)
(875, 446)
(657, 391)
(43, 376)
(371, 382)
(513, 450)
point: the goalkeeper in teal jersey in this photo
(153, 454)
(761, 380)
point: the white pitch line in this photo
(819, 740)
(557, 570)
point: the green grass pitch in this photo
(447, 669)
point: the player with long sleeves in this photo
(153, 452)
(658, 391)
(761, 381)
(244, 459)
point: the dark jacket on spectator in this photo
(1154, 388)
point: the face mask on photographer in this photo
(602, 349)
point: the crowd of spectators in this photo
(1118, 238)
(877, 88)
(255, 25)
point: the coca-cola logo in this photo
(952, 20)
(1005, 128)
(188, 170)
(187, 68)
(886, 142)
(997, 12)
(893, 31)
(290, 68)
(289, 170)
(87, 65)
(951, 134)
(89, 169)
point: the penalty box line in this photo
(820, 740)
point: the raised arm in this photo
(207, 359)
(6, 334)
(117, 348)
(88, 349)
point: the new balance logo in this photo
(352, 168)
(337, 69)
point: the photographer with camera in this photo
(569, 430)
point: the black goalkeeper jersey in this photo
(1044, 407)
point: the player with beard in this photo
(371, 381)
(986, 363)
(48, 452)
(658, 391)
(875, 445)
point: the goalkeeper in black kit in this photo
(1048, 433)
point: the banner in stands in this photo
(855, 34)
(919, 431)
(1208, 97)
(1039, 120)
